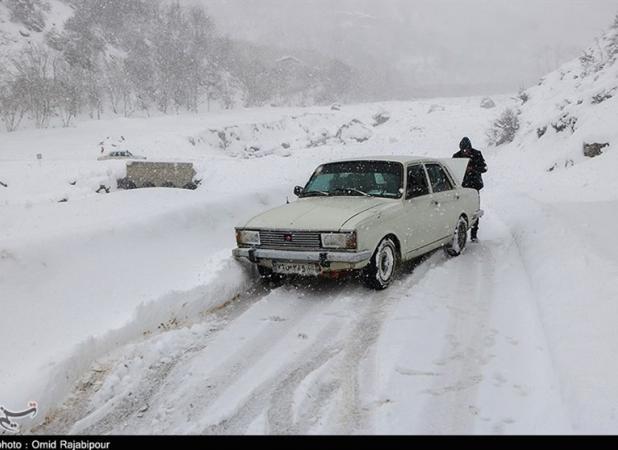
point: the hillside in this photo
(24, 22)
(567, 123)
(73, 59)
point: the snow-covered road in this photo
(456, 346)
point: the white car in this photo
(120, 155)
(364, 215)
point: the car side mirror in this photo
(298, 191)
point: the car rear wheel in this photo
(380, 272)
(460, 239)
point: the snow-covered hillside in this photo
(574, 107)
(29, 23)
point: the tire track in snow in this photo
(220, 372)
(339, 352)
(273, 398)
(121, 415)
(332, 368)
(335, 363)
(468, 342)
(496, 373)
(67, 417)
(204, 376)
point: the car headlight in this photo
(245, 237)
(339, 240)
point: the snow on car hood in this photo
(315, 213)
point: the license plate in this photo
(297, 269)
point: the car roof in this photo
(393, 158)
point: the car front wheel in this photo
(460, 239)
(267, 275)
(380, 272)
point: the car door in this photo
(444, 204)
(417, 225)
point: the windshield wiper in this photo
(358, 191)
(325, 194)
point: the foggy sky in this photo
(427, 47)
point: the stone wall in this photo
(142, 174)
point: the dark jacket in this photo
(477, 166)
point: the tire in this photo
(126, 184)
(267, 274)
(460, 238)
(382, 268)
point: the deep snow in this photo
(130, 304)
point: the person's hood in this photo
(465, 144)
(316, 213)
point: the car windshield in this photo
(357, 178)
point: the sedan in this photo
(364, 215)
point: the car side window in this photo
(417, 182)
(438, 178)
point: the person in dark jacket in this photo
(473, 178)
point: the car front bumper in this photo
(329, 261)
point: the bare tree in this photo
(69, 91)
(119, 88)
(34, 69)
(613, 44)
(12, 107)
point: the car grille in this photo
(293, 240)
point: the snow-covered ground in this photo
(125, 313)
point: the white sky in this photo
(454, 46)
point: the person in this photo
(473, 178)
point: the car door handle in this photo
(435, 203)
(457, 196)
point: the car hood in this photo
(315, 213)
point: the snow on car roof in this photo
(393, 158)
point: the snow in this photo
(14, 36)
(125, 313)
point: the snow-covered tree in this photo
(504, 128)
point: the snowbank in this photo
(80, 278)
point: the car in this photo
(364, 215)
(120, 155)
